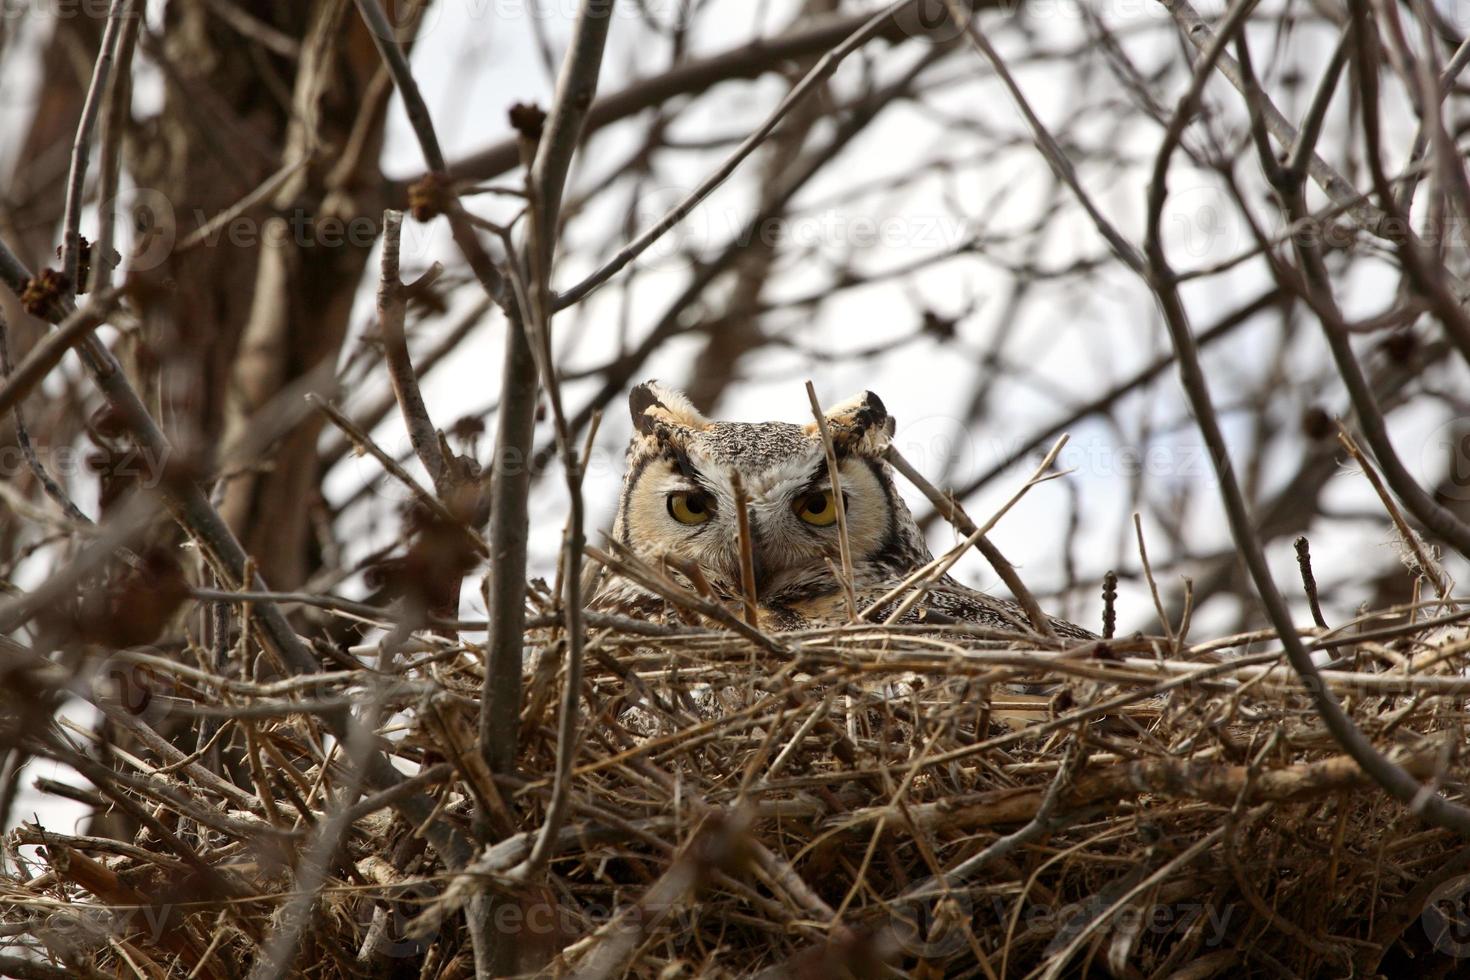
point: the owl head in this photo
(678, 498)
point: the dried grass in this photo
(884, 795)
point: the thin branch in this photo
(819, 73)
(748, 595)
(1102, 403)
(1046, 144)
(1305, 147)
(392, 303)
(1427, 566)
(748, 60)
(115, 118)
(81, 148)
(76, 329)
(193, 510)
(576, 87)
(383, 35)
(275, 960)
(1153, 586)
(955, 514)
(1337, 187)
(365, 442)
(917, 583)
(1420, 800)
(1309, 580)
(844, 546)
(48, 483)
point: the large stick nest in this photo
(872, 799)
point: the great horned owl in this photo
(677, 510)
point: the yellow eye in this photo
(689, 507)
(816, 508)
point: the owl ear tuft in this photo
(861, 423)
(652, 405)
(640, 400)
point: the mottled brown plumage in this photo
(677, 512)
